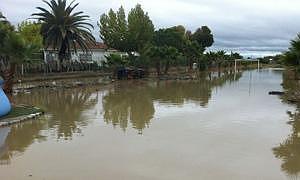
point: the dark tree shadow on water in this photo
(19, 138)
(64, 117)
(132, 103)
(64, 106)
(289, 150)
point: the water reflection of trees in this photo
(65, 107)
(130, 102)
(289, 150)
(134, 103)
(127, 102)
(19, 138)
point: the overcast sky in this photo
(252, 27)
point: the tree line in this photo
(292, 55)
(162, 48)
(61, 28)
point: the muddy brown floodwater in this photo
(222, 126)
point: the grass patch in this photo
(21, 111)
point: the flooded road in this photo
(222, 126)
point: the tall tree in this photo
(30, 32)
(128, 35)
(64, 29)
(161, 56)
(193, 52)
(203, 37)
(122, 27)
(165, 47)
(114, 30)
(12, 52)
(140, 28)
(292, 56)
(196, 43)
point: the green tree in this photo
(129, 35)
(64, 29)
(30, 32)
(169, 37)
(114, 30)
(235, 55)
(166, 47)
(12, 52)
(115, 61)
(193, 52)
(195, 44)
(161, 56)
(203, 37)
(292, 56)
(140, 28)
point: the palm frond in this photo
(64, 29)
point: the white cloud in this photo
(264, 25)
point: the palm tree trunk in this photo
(61, 57)
(8, 77)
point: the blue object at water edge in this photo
(5, 106)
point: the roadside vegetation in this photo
(291, 59)
(133, 37)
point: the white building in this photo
(97, 53)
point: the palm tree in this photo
(64, 29)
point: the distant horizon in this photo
(252, 28)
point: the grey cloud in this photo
(248, 26)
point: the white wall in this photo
(98, 55)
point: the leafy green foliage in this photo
(292, 56)
(140, 28)
(169, 37)
(203, 37)
(114, 30)
(235, 55)
(129, 35)
(193, 52)
(13, 50)
(12, 45)
(30, 32)
(115, 61)
(165, 47)
(221, 58)
(64, 29)
(195, 45)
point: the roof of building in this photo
(97, 45)
(91, 46)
